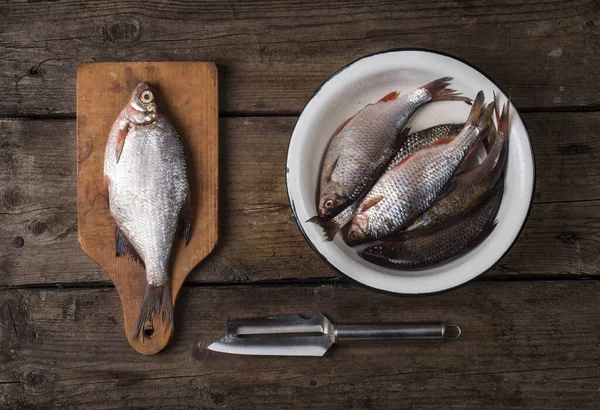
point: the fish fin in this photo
(106, 185)
(157, 303)
(121, 136)
(391, 96)
(330, 228)
(406, 158)
(185, 219)
(497, 107)
(467, 164)
(477, 109)
(441, 141)
(485, 232)
(504, 121)
(482, 135)
(447, 189)
(439, 92)
(125, 248)
(369, 203)
(401, 138)
(493, 134)
(330, 171)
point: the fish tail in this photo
(477, 109)
(330, 228)
(504, 121)
(439, 91)
(156, 304)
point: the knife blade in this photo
(313, 335)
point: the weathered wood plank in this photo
(273, 55)
(258, 237)
(521, 349)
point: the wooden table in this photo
(531, 325)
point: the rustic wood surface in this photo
(187, 94)
(273, 54)
(65, 348)
(39, 205)
(531, 336)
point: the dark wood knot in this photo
(18, 242)
(122, 31)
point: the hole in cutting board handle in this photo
(148, 331)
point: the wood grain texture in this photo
(187, 95)
(274, 54)
(259, 238)
(519, 350)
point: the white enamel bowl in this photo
(365, 81)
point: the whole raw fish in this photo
(440, 246)
(470, 187)
(406, 191)
(364, 145)
(148, 194)
(413, 143)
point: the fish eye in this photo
(146, 97)
(353, 235)
(329, 203)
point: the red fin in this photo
(406, 158)
(124, 248)
(185, 219)
(441, 141)
(439, 92)
(106, 185)
(370, 203)
(122, 134)
(157, 304)
(391, 96)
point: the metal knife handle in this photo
(407, 331)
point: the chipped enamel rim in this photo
(367, 80)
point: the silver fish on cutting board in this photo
(145, 181)
(442, 245)
(365, 143)
(413, 143)
(470, 187)
(406, 191)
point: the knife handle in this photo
(406, 331)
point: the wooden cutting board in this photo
(187, 94)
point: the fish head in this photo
(141, 109)
(358, 230)
(382, 253)
(331, 200)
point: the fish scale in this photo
(442, 245)
(145, 180)
(407, 190)
(364, 145)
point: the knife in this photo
(313, 335)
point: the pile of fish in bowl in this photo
(415, 199)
